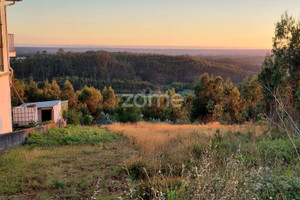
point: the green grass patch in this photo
(71, 135)
(54, 170)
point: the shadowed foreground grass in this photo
(44, 171)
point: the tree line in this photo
(213, 101)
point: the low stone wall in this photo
(15, 139)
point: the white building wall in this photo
(5, 105)
(57, 112)
(39, 116)
(5, 101)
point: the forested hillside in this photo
(249, 63)
(123, 71)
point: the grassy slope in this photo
(73, 172)
(172, 162)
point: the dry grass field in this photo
(152, 137)
(210, 161)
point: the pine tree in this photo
(176, 112)
(232, 103)
(46, 91)
(55, 91)
(32, 92)
(156, 107)
(251, 94)
(20, 86)
(68, 93)
(51, 91)
(208, 92)
(104, 93)
(109, 100)
(93, 100)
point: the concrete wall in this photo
(15, 139)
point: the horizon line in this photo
(139, 47)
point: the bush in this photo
(137, 170)
(72, 116)
(46, 123)
(197, 150)
(270, 186)
(178, 86)
(130, 114)
(87, 120)
(32, 124)
(278, 151)
(71, 135)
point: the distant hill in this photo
(129, 71)
(29, 51)
(248, 63)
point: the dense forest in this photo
(125, 72)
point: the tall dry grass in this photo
(152, 137)
(211, 161)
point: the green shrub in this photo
(162, 187)
(270, 186)
(72, 116)
(197, 150)
(279, 150)
(178, 86)
(32, 124)
(130, 114)
(87, 120)
(137, 170)
(71, 135)
(46, 123)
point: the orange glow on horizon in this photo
(170, 23)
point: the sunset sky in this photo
(179, 23)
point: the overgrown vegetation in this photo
(71, 135)
(172, 162)
(211, 162)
